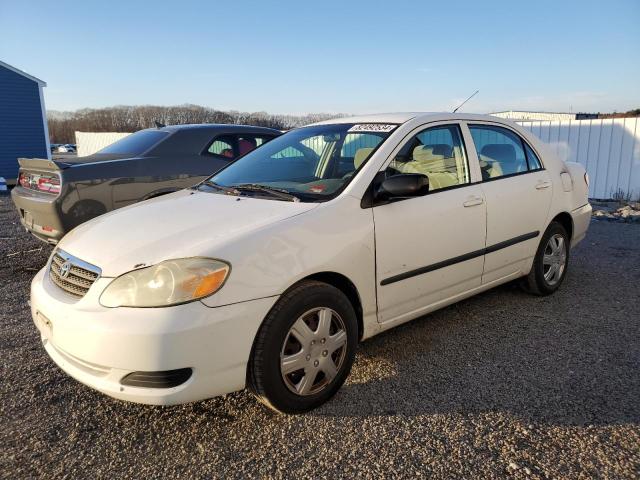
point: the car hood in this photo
(183, 224)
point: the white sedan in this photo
(268, 274)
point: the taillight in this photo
(49, 184)
(23, 180)
(40, 182)
(586, 178)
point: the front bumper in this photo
(39, 214)
(99, 346)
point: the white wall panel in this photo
(89, 143)
(533, 116)
(608, 148)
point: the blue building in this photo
(23, 120)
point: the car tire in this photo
(293, 369)
(552, 254)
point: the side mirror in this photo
(405, 185)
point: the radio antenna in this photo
(472, 95)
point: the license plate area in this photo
(44, 325)
(27, 218)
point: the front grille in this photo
(72, 274)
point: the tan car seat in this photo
(361, 155)
(427, 163)
(498, 159)
(489, 168)
(437, 164)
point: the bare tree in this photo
(62, 126)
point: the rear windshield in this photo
(136, 143)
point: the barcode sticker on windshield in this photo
(372, 127)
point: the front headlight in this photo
(168, 283)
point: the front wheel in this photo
(305, 348)
(550, 263)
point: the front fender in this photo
(335, 237)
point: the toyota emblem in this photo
(65, 269)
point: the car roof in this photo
(216, 126)
(399, 117)
(403, 117)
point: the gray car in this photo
(54, 196)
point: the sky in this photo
(332, 56)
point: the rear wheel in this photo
(305, 348)
(550, 263)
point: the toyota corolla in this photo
(269, 273)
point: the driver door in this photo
(430, 248)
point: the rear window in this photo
(136, 143)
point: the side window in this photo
(223, 146)
(500, 151)
(532, 158)
(436, 152)
(246, 143)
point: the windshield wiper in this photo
(276, 192)
(227, 190)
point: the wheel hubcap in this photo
(555, 259)
(313, 351)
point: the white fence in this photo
(517, 115)
(89, 143)
(609, 149)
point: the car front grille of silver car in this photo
(71, 274)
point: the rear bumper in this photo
(581, 218)
(39, 214)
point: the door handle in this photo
(543, 184)
(471, 201)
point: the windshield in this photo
(312, 163)
(136, 143)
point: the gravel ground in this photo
(503, 384)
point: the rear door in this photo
(429, 248)
(518, 192)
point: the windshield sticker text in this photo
(372, 127)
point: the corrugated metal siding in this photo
(21, 130)
(608, 148)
